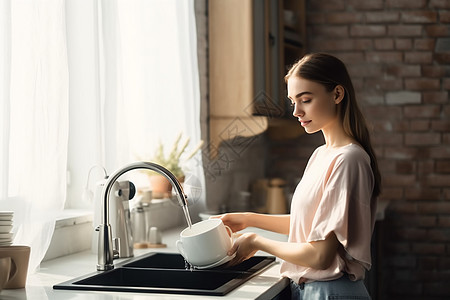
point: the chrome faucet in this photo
(105, 249)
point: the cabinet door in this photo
(231, 72)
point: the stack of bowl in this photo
(6, 225)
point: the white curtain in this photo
(151, 73)
(34, 119)
(147, 91)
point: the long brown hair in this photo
(330, 72)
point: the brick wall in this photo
(398, 53)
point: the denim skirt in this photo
(341, 288)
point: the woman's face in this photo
(314, 107)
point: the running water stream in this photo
(187, 216)
(187, 264)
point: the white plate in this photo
(5, 228)
(6, 223)
(6, 218)
(6, 235)
(2, 244)
(216, 264)
(6, 213)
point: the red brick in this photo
(333, 5)
(400, 125)
(420, 125)
(385, 84)
(362, 44)
(401, 152)
(417, 220)
(367, 30)
(384, 126)
(365, 70)
(351, 58)
(441, 125)
(434, 207)
(315, 18)
(438, 235)
(422, 193)
(334, 44)
(342, 44)
(422, 84)
(428, 263)
(384, 44)
(442, 58)
(400, 208)
(444, 4)
(343, 17)
(446, 110)
(422, 139)
(437, 30)
(446, 83)
(391, 139)
(446, 138)
(447, 195)
(418, 57)
(382, 17)
(365, 5)
(440, 152)
(405, 30)
(405, 167)
(422, 111)
(444, 221)
(403, 44)
(428, 248)
(443, 166)
(396, 246)
(411, 234)
(397, 180)
(424, 44)
(437, 288)
(330, 31)
(419, 16)
(384, 56)
(444, 16)
(403, 70)
(435, 180)
(408, 4)
(435, 97)
(358, 83)
(425, 166)
(371, 97)
(402, 261)
(433, 71)
(392, 193)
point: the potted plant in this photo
(173, 161)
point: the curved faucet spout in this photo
(105, 250)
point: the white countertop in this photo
(40, 284)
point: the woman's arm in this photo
(317, 255)
(239, 221)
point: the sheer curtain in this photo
(151, 72)
(147, 90)
(34, 119)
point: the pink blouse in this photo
(334, 195)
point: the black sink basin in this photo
(166, 273)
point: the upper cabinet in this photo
(251, 45)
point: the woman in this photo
(333, 207)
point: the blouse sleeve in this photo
(345, 206)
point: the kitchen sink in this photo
(167, 273)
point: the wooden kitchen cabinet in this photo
(251, 45)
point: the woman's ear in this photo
(339, 93)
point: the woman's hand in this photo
(244, 247)
(236, 221)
